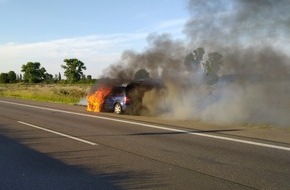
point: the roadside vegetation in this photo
(59, 93)
(36, 84)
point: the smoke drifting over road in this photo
(253, 83)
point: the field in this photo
(59, 93)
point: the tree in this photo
(48, 77)
(141, 74)
(211, 66)
(12, 76)
(89, 77)
(4, 78)
(9, 77)
(195, 58)
(59, 77)
(73, 69)
(33, 73)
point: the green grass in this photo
(60, 93)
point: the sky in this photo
(95, 32)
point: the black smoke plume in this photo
(253, 83)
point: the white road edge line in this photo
(58, 133)
(156, 127)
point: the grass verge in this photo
(58, 93)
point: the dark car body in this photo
(129, 98)
(116, 100)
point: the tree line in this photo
(73, 70)
(197, 61)
(33, 72)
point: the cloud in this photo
(174, 27)
(97, 52)
(173, 23)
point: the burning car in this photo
(120, 99)
(116, 101)
(96, 100)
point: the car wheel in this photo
(117, 108)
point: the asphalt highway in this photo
(54, 146)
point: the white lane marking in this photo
(58, 133)
(157, 127)
(243, 141)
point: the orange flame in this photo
(96, 100)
